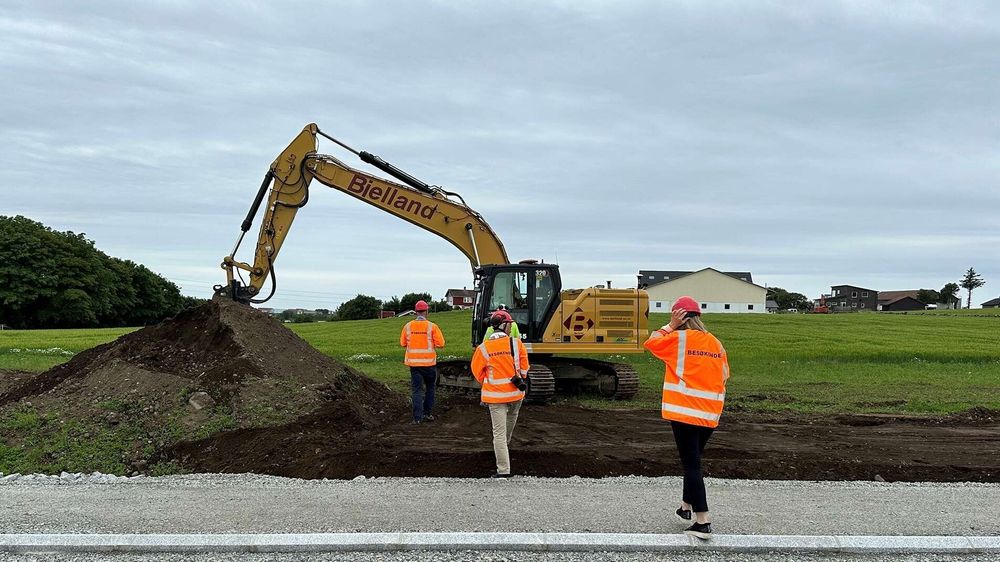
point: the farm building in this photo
(900, 303)
(460, 298)
(893, 301)
(994, 303)
(717, 291)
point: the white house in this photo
(730, 292)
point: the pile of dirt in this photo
(254, 371)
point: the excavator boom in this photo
(289, 178)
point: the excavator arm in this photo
(286, 187)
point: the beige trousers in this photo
(504, 417)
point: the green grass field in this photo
(917, 363)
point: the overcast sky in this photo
(809, 143)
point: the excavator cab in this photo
(530, 291)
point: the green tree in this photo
(949, 292)
(928, 296)
(972, 280)
(393, 305)
(440, 306)
(786, 300)
(51, 279)
(410, 299)
(360, 307)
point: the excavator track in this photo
(615, 381)
(455, 376)
(625, 381)
(541, 384)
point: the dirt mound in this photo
(138, 389)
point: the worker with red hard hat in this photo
(421, 338)
(694, 391)
(500, 364)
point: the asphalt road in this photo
(262, 504)
(498, 557)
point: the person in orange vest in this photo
(421, 337)
(500, 364)
(694, 391)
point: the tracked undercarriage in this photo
(551, 374)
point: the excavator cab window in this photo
(510, 288)
(528, 291)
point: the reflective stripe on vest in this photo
(517, 358)
(492, 394)
(682, 341)
(690, 412)
(683, 389)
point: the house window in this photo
(659, 304)
(854, 305)
(467, 300)
(703, 305)
(727, 307)
(749, 307)
(843, 303)
(836, 292)
(864, 293)
(862, 305)
(854, 294)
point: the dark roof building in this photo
(462, 298)
(993, 303)
(849, 298)
(904, 302)
(650, 277)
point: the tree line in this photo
(51, 279)
(363, 306)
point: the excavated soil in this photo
(283, 408)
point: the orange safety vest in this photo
(420, 337)
(494, 362)
(694, 382)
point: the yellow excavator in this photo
(557, 325)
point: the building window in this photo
(727, 307)
(703, 305)
(659, 304)
(467, 300)
(854, 305)
(843, 303)
(854, 294)
(749, 307)
(836, 292)
(862, 305)
(864, 293)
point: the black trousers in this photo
(691, 440)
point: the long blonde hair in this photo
(693, 323)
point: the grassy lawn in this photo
(918, 362)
